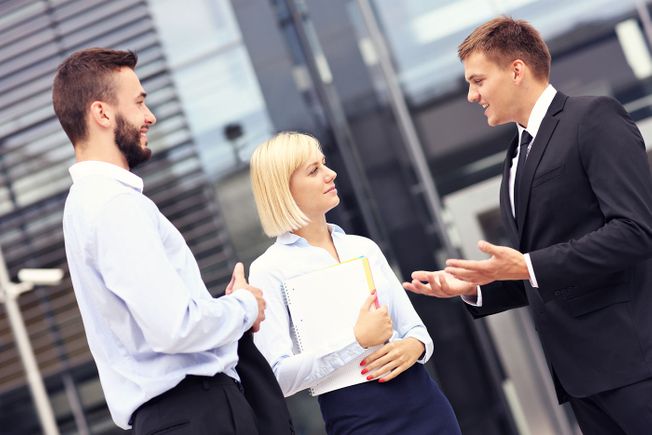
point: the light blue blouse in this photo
(292, 256)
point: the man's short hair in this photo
(272, 164)
(504, 40)
(84, 77)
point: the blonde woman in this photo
(294, 189)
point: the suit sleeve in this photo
(613, 156)
(499, 296)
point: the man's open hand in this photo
(505, 264)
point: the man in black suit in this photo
(576, 199)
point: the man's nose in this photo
(472, 96)
(150, 118)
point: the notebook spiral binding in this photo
(288, 301)
(295, 331)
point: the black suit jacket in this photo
(585, 216)
(262, 390)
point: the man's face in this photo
(129, 139)
(492, 87)
(132, 119)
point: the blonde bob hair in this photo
(272, 164)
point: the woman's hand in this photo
(393, 358)
(374, 326)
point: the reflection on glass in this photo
(215, 80)
(423, 35)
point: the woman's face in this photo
(313, 186)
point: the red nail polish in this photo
(369, 377)
(363, 372)
(381, 380)
(363, 362)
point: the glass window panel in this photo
(207, 26)
(423, 35)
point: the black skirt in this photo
(410, 404)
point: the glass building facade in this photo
(378, 82)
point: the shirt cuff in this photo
(354, 349)
(474, 301)
(421, 334)
(350, 344)
(530, 271)
(249, 304)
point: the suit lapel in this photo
(539, 146)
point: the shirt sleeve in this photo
(294, 372)
(476, 300)
(530, 271)
(406, 321)
(133, 263)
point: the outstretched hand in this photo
(505, 264)
(439, 284)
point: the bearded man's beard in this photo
(127, 137)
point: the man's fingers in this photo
(463, 274)
(467, 264)
(433, 281)
(421, 275)
(488, 248)
(239, 276)
(410, 287)
(229, 288)
(420, 288)
(238, 270)
(443, 283)
(256, 326)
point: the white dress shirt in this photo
(534, 122)
(292, 256)
(148, 316)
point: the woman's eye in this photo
(313, 171)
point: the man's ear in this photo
(100, 114)
(518, 70)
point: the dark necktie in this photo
(526, 138)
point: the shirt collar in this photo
(94, 168)
(538, 111)
(290, 238)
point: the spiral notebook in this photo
(324, 306)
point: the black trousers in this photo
(198, 405)
(623, 411)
